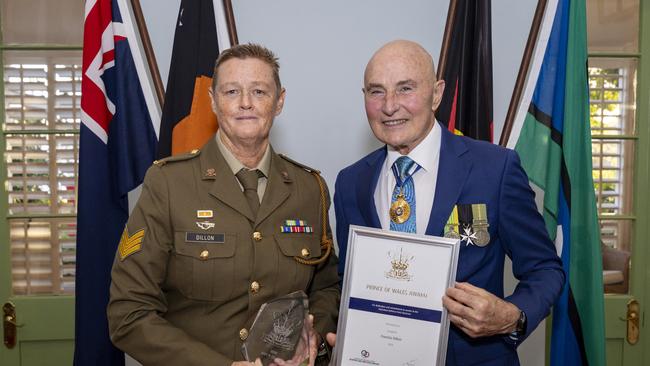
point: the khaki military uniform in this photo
(186, 289)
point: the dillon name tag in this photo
(204, 238)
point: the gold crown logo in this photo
(399, 262)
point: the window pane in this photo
(41, 173)
(43, 256)
(42, 90)
(613, 26)
(32, 21)
(613, 174)
(616, 236)
(612, 96)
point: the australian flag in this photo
(117, 144)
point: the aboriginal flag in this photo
(466, 106)
(187, 121)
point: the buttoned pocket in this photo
(306, 246)
(293, 275)
(203, 265)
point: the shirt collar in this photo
(425, 154)
(235, 165)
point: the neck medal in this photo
(400, 210)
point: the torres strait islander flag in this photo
(201, 33)
(466, 106)
(118, 140)
(554, 143)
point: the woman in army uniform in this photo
(218, 232)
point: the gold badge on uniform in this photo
(204, 214)
(469, 223)
(130, 244)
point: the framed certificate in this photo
(391, 307)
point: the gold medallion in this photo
(400, 210)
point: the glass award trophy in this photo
(277, 329)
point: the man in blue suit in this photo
(429, 181)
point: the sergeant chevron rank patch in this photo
(130, 244)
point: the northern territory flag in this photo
(187, 121)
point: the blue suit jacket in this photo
(472, 172)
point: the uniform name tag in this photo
(204, 238)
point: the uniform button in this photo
(305, 252)
(204, 255)
(257, 236)
(255, 287)
(243, 334)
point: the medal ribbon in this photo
(402, 209)
(451, 228)
(398, 178)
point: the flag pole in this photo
(523, 72)
(230, 22)
(446, 40)
(148, 51)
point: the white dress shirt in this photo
(427, 155)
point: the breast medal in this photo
(400, 210)
(480, 224)
(452, 225)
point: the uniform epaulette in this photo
(179, 157)
(305, 167)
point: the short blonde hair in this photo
(247, 50)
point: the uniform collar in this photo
(235, 165)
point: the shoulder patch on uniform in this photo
(180, 157)
(303, 166)
(130, 244)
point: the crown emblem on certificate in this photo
(468, 222)
(399, 262)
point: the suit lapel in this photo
(225, 187)
(277, 190)
(368, 178)
(453, 169)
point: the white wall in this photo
(323, 48)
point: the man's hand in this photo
(479, 313)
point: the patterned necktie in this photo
(403, 198)
(248, 180)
